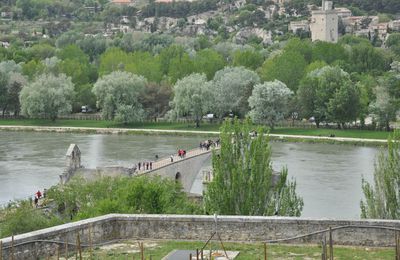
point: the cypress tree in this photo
(243, 182)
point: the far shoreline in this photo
(141, 131)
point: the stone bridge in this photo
(180, 169)
(184, 170)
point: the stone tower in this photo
(324, 23)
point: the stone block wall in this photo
(187, 227)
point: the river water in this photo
(328, 176)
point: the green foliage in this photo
(232, 89)
(366, 58)
(304, 47)
(24, 218)
(328, 52)
(384, 6)
(192, 96)
(179, 9)
(208, 61)
(41, 51)
(80, 199)
(345, 106)
(48, 96)
(269, 102)
(318, 88)
(382, 199)
(250, 59)
(393, 42)
(288, 67)
(243, 181)
(118, 95)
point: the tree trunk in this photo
(387, 126)
(317, 123)
(197, 122)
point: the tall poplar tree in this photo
(382, 200)
(244, 183)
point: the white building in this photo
(324, 23)
(343, 12)
(304, 25)
(394, 25)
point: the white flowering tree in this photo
(118, 95)
(232, 88)
(48, 96)
(269, 102)
(192, 97)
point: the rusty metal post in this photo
(90, 243)
(142, 250)
(78, 245)
(66, 247)
(396, 245)
(265, 251)
(397, 241)
(190, 256)
(1, 250)
(12, 247)
(197, 254)
(58, 252)
(201, 254)
(330, 244)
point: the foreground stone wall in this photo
(232, 228)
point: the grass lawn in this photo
(353, 133)
(248, 251)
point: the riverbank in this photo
(303, 137)
(189, 127)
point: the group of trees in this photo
(339, 83)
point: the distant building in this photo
(381, 29)
(343, 12)
(324, 23)
(303, 25)
(122, 2)
(281, 2)
(394, 25)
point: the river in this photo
(328, 176)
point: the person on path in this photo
(139, 165)
(151, 165)
(36, 201)
(172, 158)
(38, 194)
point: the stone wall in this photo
(187, 227)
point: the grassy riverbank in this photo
(349, 133)
(248, 251)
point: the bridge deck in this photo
(164, 162)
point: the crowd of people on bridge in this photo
(181, 153)
(206, 145)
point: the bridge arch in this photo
(178, 177)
